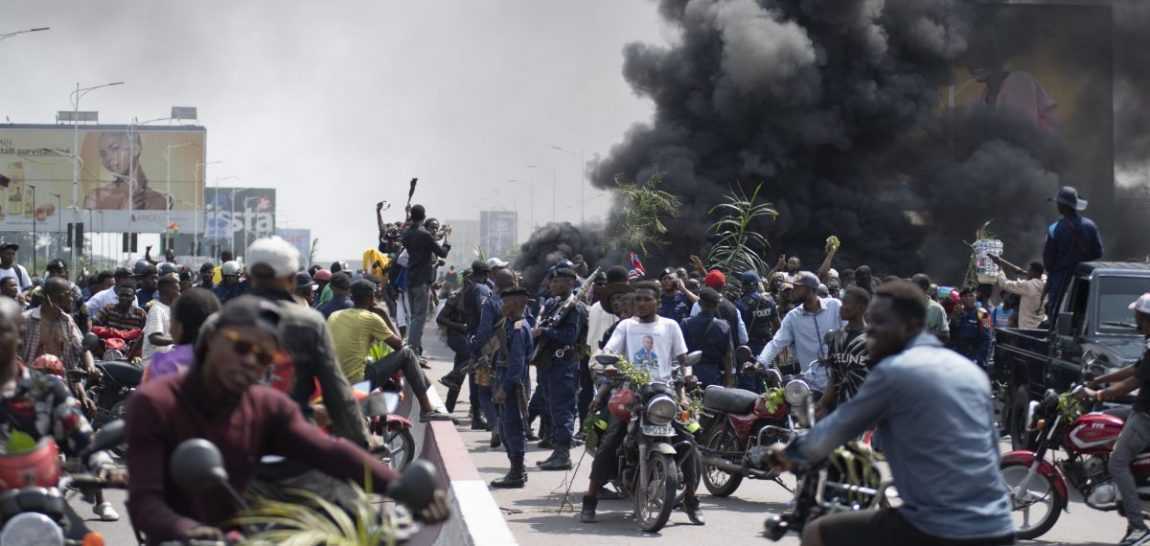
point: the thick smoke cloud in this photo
(835, 106)
(553, 243)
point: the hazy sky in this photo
(338, 104)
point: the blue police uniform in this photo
(761, 315)
(970, 335)
(711, 335)
(490, 311)
(559, 379)
(511, 376)
(674, 306)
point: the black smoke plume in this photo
(553, 243)
(836, 107)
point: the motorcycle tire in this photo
(662, 482)
(1056, 508)
(398, 448)
(720, 440)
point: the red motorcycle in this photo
(739, 427)
(1039, 488)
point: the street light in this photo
(7, 35)
(231, 236)
(33, 188)
(75, 97)
(196, 210)
(168, 212)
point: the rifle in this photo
(410, 194)
(454, 378)
(559, 316)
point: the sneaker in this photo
(105, 512)
(1135, 536)
(434, 415)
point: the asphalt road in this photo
(545, 514)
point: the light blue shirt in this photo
(935, 420)
(805, 332)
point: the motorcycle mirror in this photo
(694, 357)
(197, 465)
(416, 487)
(607, 360)
(109, 436)
(375, 405)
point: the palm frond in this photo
(736, 246)
(304, 518)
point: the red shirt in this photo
(263, 421)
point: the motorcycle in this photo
(380, 407)
(847, 481)
(118, 380)
(1086, 437)
(34, 505)
(740, 426)
(657, 443)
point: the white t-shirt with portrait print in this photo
(652, 346)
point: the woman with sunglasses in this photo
(223, 398)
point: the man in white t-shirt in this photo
(651, 342)
(9, 267)
(158, 329)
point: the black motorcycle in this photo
(117, 381)
(657, 444)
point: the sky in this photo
(338, 104)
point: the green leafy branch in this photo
(644, 207)
(737, 246)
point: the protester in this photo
(188, 314)
(206, 272)
(717, 281)
(511, 380)
(804, 329)
(558, 339)
(340, 287)
(304, 335)
(1032, 287)
(10, 288)
(304, 288)
(9, 267)
(675, 301)
(599, 319)
(847, 355)
(971, 330)
(220, 399)
(1070, 241)
(422, 250)
(158, 326)
(710, 334)
(916, 385)
(124, 314)
(230, 286)
(937, 321)
(108, 296)
(1135, 436)
(1005, 315)
(146, 276)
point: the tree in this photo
(737, 247)
(644, 207)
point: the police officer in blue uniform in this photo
(558, 361)
(710, 334)
(490, 316)
(761, 315)
(510, 387)
(475, 293)
(970, 331)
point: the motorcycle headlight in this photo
(661, 410)
(797, 392)
(31, 529)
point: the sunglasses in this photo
(243, 347)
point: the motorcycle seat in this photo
(736, 401)
(123, 373)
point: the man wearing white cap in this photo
(496, 264)
(1070, 241)
(272, 265)
(1135, 435)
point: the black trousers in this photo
(887, 527)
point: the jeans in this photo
(1135, 437)
(404, 361)
(562, 382)
(417, 302)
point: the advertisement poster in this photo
(237, 216)
(299, 238)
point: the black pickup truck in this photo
(1093, 333)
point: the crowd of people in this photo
(241, 354)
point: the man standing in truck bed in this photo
(1070, 241)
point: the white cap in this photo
(230, 268)
(832, 273)
(276, 253)
(1142, 304)
(496, 263)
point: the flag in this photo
(637, 270)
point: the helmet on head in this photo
(143, 268)
(167, 268)
(230, 269)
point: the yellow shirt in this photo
(354, 331)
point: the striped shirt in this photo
(110, 316)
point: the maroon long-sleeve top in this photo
(263, 421)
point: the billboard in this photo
(136, 178)
(498, 232)
(301, 240)
(234, 217)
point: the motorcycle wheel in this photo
(1039, 492)
(654, 504)
(398, 448)
(719, 482)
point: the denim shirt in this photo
(935, 422)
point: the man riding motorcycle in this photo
(220, 399)
(1135, 435)
(935, 423)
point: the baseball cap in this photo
(479, 266)
(230, 269)
(303, 280)
(362, 288)
(281, 256)
(709, 296)
(9, 246)
(1142, 304)
(496, 263)
(323, 275)
(807, 279)
(749, 277)
(715, 279)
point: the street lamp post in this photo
(217, 213)
(196, 207)
(7, 35)
(76, 96)
(59, 221)
(34, 251)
